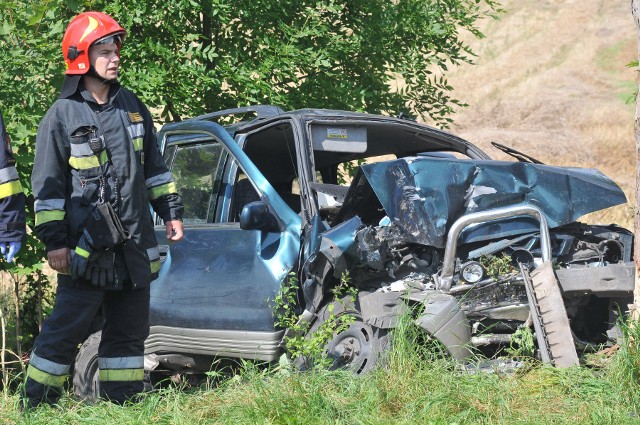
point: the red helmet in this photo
(84, 30)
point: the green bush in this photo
(299, 343)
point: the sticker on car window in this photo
(336, 133)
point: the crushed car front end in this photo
(485, 248)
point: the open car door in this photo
(216, 287)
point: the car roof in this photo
(265, 113)
(256, 116)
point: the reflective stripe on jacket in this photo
(80, 142)
(12, 198)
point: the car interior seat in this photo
(244, 193)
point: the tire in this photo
(361, 347)
(86, 384)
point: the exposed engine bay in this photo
(490, 276)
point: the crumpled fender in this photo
(331, 252)
(443, 319)
(441, 316)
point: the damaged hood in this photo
(423, 196)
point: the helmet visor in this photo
(110, 39)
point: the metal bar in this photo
(490, 339)
(536, 317)
(445, 279)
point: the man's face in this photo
(105, 59)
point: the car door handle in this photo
(164, 252)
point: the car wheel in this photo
(86, 384)
(360, 347)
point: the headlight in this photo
(472, 272)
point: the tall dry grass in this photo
(551, 81)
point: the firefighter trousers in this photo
(125, 327)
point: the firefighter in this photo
(96, 169)
(12, 200)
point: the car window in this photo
(273, 151)
(196, 169)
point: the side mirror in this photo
(258, 216)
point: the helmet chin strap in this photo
(93, 73)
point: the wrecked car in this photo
(411, 212)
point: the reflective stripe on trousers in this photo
(126, 326)
(121, 368)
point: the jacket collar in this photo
(72, 84)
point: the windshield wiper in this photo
(522, 157)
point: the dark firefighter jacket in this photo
(78, 142)
(12, 198)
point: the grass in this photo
(418, 385)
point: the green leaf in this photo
(6, 28)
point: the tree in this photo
(188, 57)
(196, 56)
(30, 73)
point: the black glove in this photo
(101, 271)
(81, 256)
(98, 267)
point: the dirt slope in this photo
(551, 80)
